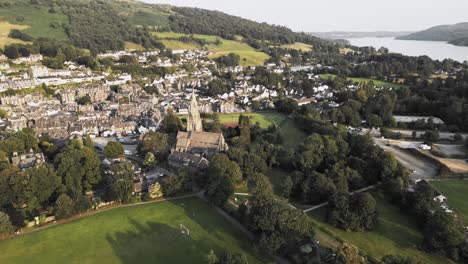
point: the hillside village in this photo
(116, 103)
(141, 131)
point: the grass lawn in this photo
(455, 191)
(37, 18)
(264, 119)
(5, 28)
(139, 234)
(292, 136)
(396, 234)
(359, 80)
(298, 46)
(249, 56)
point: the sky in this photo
(340, 15)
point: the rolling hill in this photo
(102, 25)
(454, 34)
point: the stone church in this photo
(194, 146)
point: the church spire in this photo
(194, 121)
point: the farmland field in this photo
(298, 46)
(249, 56)
(5, 28)
(38, 20)
(149, 18)
(455, 191)
(395, 234)
(138, 234)
(359, 80)
(131, 45)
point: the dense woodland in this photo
(97, 27)
(447, 99)
(200, 21)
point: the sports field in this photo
(138, 234)
(455, 191)
(396, 234)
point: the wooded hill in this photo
(454, 34)
(101, 25)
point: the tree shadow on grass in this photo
(154, 242)
(219, 228)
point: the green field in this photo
(455, 191)
(138, 234)
(292, 136)
(359, 80)
(5, 28)
(133, 46)
(263, 119)
(37, 18)
(147, 18)
(298, 46)
(249, 56)
(396, 234)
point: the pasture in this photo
(360, 80)
(38, 20)
(133, 46)
(298, 46)
(5, 28)
(249, 56)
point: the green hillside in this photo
(176, 41)
(101, 25)
(455, 34)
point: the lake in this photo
(437, 50)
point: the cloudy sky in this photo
(341, 15)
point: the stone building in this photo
(194, 122)
(27, 160)
(200, 143)
(194, 146)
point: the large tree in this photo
(43, 182)
(64, 207)
(5, 224)
(155, 143)
(113, 150)
(244, 127)
(121, 188)
(79, 167)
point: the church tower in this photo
(194, 122)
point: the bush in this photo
(431, 136)
(5, 224)
(113, 149)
